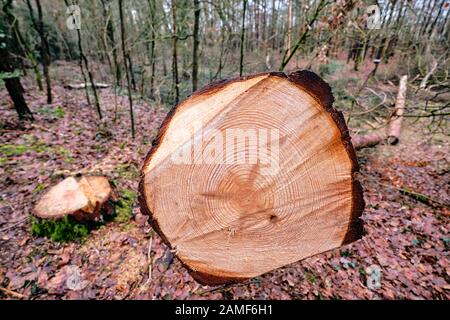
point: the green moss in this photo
(31, 143)
(64, 230)
(57, 112)
(310, 277)
(66, 154)
(13, 150)
(3, 161)
(99, 147)
(39, 187)
(123, 145)
(124, 207)
(127, 171)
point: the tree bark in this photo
(273, 25)
(124, 52)
(14, 89)
(368, 140)
(152, 15)
(111, 41)
(289, 28)
(8, 64)
(20, 42)
(175, 53)
(91, 77)
(44, 47)
(196, 45)
(241, 59)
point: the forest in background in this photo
(80, 79)
(163, 50)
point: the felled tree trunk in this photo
(368, 140)
(78, 86)
(250, 174)
(392, 136)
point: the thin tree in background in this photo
(111, 40)
(289, 28)
(8, 65)
(91, 77)
(44, 47)
(83, 59)
(273, 25)
(288, 54)
(124, 52)
(241, 60)
(13, 85)
(22, 44)
(174, 52)
(152, 16)
(196, 45)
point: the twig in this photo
(370, 110)
(149, 258)
(12, 293)
(412, 194)
(14, 224)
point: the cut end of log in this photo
(82, 199)
(250, 174)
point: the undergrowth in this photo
(63, 230)
(124, 207)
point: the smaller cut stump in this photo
(83, 199)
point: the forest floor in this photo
(403, 255)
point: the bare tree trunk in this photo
(21, 44)
(152, 15)
(241, 60)
(12, 83)
(196, 44)
(174, 52)
(424, 26)
(15, 90)
(91, 77)
(86, 90)
(289, 28)
(124, 52)
(131, 70)
(431, 29)
(444, 25)
(44, 47)
(111, 41)
(273, 23)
